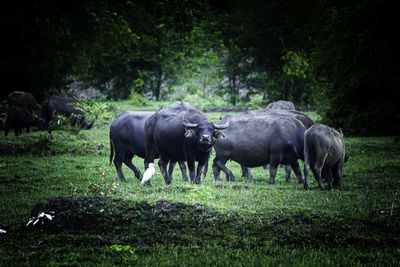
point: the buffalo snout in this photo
(205, 138)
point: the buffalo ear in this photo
(190, 133)
(219, 134)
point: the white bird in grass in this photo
(148, 173)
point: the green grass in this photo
(102, 221)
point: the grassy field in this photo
(101, 221)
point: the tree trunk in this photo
(157, 89)
(233, 89)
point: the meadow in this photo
(98, 220)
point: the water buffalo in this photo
(281, 105)
(324, 152)
(257, 140)
(24, 99)
(127, 140)
(307, 122)
(180, 133)
(19, 118)
(57, 105)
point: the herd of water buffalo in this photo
(181, 133)
(276, 135)
(25, 112)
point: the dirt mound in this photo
(98, 214)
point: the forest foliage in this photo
(338, 57)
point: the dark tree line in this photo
(340, 57)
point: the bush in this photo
(138, 100)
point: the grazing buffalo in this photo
(257, 140)
(180, 133)
(19, 118)
(281, 105)
(324, 152)
(57, 105)
(24, 99)
(127, 140)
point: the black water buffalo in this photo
(282, 105)
(24, 99)
(180, 132)
(127, 140)
(19, 118)
(324, 153)
(257, 140)
(57, 105)
(307, 122)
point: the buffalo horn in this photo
(221, 126)
(188, 124)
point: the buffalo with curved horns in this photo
(180, 132)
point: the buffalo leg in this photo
(249, 174)
(221, 166)
(192, 168)
(216, 171)
(200, 168)
(326, 174)
(306, 172)
(205, 168)
(273, 168)
(118, 166)
(171, 168)
(288, 170)
(317, 173)
(128, 162)
(162, 163)
(296, 168)
(337, 175)
(182, 166)
(246, 172)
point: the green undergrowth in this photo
(98, 220)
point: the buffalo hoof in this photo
(271, 182)
(147, 183)
(288, 180)
(306, 186)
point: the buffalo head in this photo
(87, 126)
(205, 133)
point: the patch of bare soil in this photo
(98, 214)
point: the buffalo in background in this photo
(127, 139)
(282, 105)
(179, 132)
(57, 105)
(26, 100)
(22, 106)
(19, 118)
